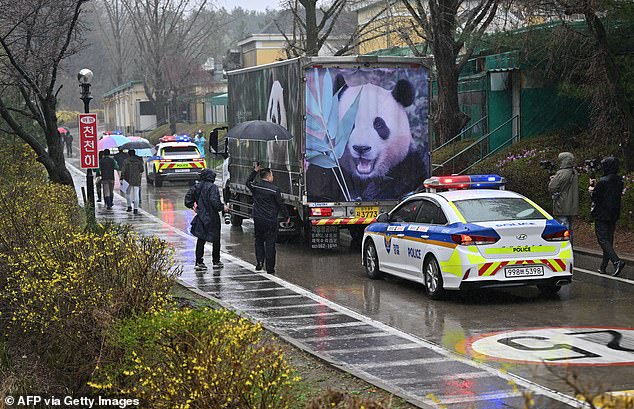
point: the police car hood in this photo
(518, 238)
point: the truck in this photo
(360, 139)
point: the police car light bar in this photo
(175, 138)
(455, 182)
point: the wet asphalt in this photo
(387, 331)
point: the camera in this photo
(592, 164)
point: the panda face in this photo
(381, 136)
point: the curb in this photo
(597, 253)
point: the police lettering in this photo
(414, 253)
(522, 249)
(396, 250)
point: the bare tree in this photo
(116, 34)
(36, 36)
(451, 36)
(584, 57)
(167, 31)
(313, 23)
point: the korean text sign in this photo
(88, 141)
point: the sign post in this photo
(88, 141)
(89, 156)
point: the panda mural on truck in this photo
(377, 149)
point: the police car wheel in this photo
(549, 290)
(371, 261)
(158, 182)
(433, 279)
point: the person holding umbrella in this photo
(267, 204)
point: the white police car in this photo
(174, 158)
(474, 238)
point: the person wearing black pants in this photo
(267, 205)
(204, 198)
(606, 207)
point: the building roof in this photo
(122, 87)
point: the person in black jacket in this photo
(107, 168)
(606, 207)
(204, 198)
(267, 204)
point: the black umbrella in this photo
(136, 145)
(260, 131)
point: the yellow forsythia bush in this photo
(195, 358)
(63, 286)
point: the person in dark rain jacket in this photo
(606, 208)
(267, 204)
(204, 198)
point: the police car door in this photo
(395, 236)
(429, 220)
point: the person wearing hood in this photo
(204, 198)
(606, 208)
(131, 173)
(564, 188)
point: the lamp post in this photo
(84, 77)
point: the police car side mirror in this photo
(383, 218)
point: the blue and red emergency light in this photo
(455, 182)
(175, 138)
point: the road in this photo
(585, 330)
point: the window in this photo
(497, 209)
(169, 151)
(430, 213)
(406, 212)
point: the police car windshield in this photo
(497, 209)
(180, 150)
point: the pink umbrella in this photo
(112, 141)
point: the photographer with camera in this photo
(606, 207)
(564, 188)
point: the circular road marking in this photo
(589, 346)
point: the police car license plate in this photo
(366, 211)
(181, 170)
(523, 271)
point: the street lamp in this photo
(84, 77)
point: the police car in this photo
(462, 233)
(174, 158)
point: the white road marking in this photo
(317, 314)
(277, 297)
(340, 325)
(482, 397)
(396, 347)
(608, 276)
(408, 362)
(452, 377)
(344, 337)
(280, 307)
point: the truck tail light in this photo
(562, 235)
(321, 211)
(469, 239)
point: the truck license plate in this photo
(366, 211)
(523, 271)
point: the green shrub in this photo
(195, 358)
